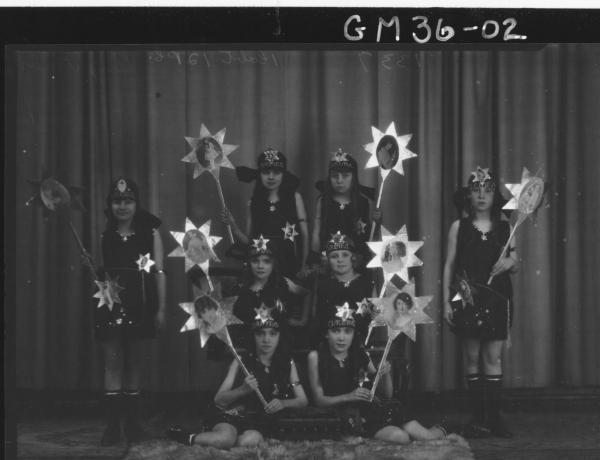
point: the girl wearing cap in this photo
(341, 283)
(482, 316)
(276, 211)
(131, 236)
(342, 207)
(241, 419)
(338, 371)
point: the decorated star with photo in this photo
(209, 153)
(212, 320)
(403, 152)
(526, 195)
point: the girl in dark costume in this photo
(343, 207)
(482, 316)
(336, 373)
(341, 283)
(240, 418)
(275, 211)
(131, 233)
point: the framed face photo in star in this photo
(196, 247)
(54, 195)
(393, 256)
(387, 152)
(209, 153)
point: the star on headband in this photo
(398, 321)
(394, 254)
(209, 153)
(145, 263)
(344, 312)
(196, 245)
(339, 156)
(211, 321)
(481, 175)
(108, 292)
(289, 232)
(263, 314)
(260, 245)
(527, 195)
(403, 152)
(271, 155)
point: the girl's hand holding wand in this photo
(448, 314)
(250, 384)
(274, 406)
(360, 394)
(502, 265)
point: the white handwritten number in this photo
(443, 34)
(176, 55)
(511, 23)
(387, 58)
(496, 29)
(362, 61)
(422, 25)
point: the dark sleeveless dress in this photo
(134, 317)
(355, 223)
(490, 314)
(358, 418)
(332, 293)
(268, 219)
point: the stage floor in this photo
(538, 435)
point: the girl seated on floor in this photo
(240, 418)
(338, 372)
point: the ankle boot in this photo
(131, 426)
(493, 392)
(476, 428)
(112, 406)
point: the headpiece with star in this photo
(394, 254)
(342, 161)
(196, 245)
(122, 189)
(209, 153)
(339, 242)
(343, 317)
(266, 318)
(261, 247)
(480, 176)
(271, 159)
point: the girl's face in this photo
(123, 209)
(261, 267)
(340, 262)
(340, 339)
(401, 307)
(341, 181)
(271, 178)
(482, 196)
(266, 340)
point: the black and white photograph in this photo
(274, 148)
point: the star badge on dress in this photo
(394, 254)
(388, 150)
(212, 320)
(289, 232)
(209, 153)
(344, 312)
(145, 263)
(108, 292)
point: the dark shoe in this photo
(112, 434)
(476, 430)
(499, 429)
(133, 430)
(176, 433)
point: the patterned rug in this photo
(357, 449)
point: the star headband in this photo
(481, 178)
(271, 159)
(344, 317)
(260, 247)
(264, 318)
(123, 189)
(343, 161)
(339, 242)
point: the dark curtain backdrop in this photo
(88, 116)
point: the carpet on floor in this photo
(356, 449)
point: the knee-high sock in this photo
(493, 392)
(476, 401)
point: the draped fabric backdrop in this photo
(86, 117)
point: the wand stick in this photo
(519, 221)
(229, 232)
(388, 345)
(86, 255)
(377, 206)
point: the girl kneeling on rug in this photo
(337, 372)
(240, 418)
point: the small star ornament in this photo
(344, 312)
(388, 150)
(213, 320)
(209, 153)
(145, 263)
(289, 232)
(263, 314)
(196, 245)
(108, 292)
(364, 307)
(395, 254)
(481, 175)
(260, 245)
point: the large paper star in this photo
(209, 153)
(108, 292)
(196, 245)
(52, 195)
(289, 232)
(394, 254)
(386, 149)
(526, 195)
(145, 262)
(400, 310)
(211, 321)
